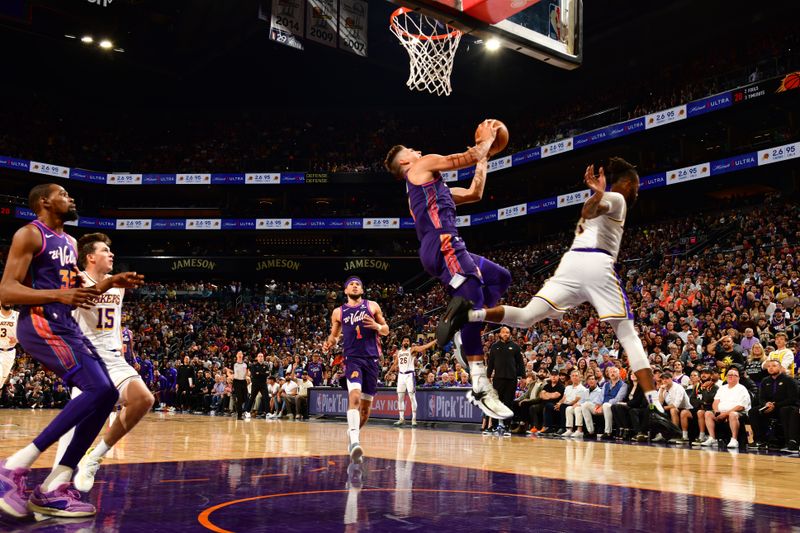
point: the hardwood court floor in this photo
(198, 473)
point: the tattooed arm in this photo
(474, 194)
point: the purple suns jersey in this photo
(127, 344)
(432, 207)
(358, 340)
(54, 266)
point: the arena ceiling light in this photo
(87, 39)
(68, 36)
(105, 44)
(492, 45)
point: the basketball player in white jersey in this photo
(405, 363)
(586, 273)
(8, 341)
(101, 324)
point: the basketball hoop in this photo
(431, 47)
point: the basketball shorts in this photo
(6, 364)
(54, 339)
(120, 372)
(406, 383)
(362, 374)
(445, 256)
(587, 277)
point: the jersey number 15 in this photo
(105, 318)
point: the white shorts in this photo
(406, 383)
(120, 372)
(587, 277)
(6, 364)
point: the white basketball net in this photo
(431, 47)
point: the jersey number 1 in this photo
(358, 332)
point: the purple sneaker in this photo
(13, 500)
(63, 501)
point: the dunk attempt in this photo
(586, 273)
(442, 251)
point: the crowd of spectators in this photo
(324, 141)
(712, 304)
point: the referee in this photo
(239, 383)
(259, 373)
(505, 361)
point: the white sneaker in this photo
(399, 422)
(567, 434)
(84, 474)
(356, 453)
(577, 435)
(733, 443)
(485, 397)
(658, 438)
(247, 415)
(710, 441)
(171, 409)
(457, 353)
(413, 422)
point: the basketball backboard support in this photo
(548, 30)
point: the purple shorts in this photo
(54, 339)
(445, 255)
(364, 371)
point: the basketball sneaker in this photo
(84, 474)
(63, 501)
(399, 422)
(458, 353)
(413, 422)
(13, 500)
(356, 453)
(355, 476)
(454, 317)
(485, 397)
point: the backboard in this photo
(548, 30)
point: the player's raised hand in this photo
(127, 280)
(487, 131)
(596, 182)
(82, 297)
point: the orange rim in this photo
(403, 11)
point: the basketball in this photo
(791, 81)
(500, 142)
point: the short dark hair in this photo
(618, 169)
(390, 162)
(86, 245)
(37, 193)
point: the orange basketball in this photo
(500, 142)
(791, 81)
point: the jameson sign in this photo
(294, 268)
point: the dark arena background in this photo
(233, 151)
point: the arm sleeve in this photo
(616, 205)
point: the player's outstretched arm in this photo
(594, 206)
(26, 243)
(486, 133)
(474, 194)
(123, 280)
(424, 347)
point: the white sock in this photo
(353, 422)
(701, 437)
(58, 476)
(652, 397)
(477, 371)
(685, 434)
(100, 450)
(24, 458)
(477, 315)
(401, 405)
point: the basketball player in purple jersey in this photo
(442, 250)
(360, 322)
(41, 277)
(127, 344)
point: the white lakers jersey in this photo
(603, 232)
(785, 356)
(8, 330)
(405, 360)
(102, 323)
